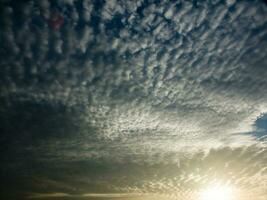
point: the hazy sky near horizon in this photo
(142, 99)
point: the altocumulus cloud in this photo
(91, 91)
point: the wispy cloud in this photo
(95, 196)
(48, 195)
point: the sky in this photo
(132, 100)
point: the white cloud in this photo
(204, 81)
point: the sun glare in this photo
(217, 192)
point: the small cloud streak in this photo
(95, 195)
(48, 195)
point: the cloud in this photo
(140, 82)
(98, 196)
(181, 69)
(86, 196)
(52, 195)
(242, 168)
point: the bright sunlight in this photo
(218, 192)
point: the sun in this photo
(217, 192)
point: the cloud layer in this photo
(142, 83)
